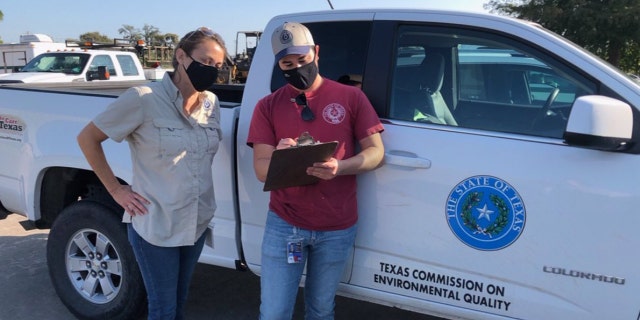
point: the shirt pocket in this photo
(170, 137)
(214, 135)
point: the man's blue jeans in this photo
(325, 254)
(166, 272)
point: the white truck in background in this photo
(16, 55)
(78, 65)
(522, 205)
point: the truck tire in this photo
(92, 266)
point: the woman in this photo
(173, 131)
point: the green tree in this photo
(129, 32)
(631, 58)
(608, 28)
(150, 33)
(1, 17)
(95, 37)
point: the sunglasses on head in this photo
(307, 114)
(204, 30)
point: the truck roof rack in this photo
(128, 44)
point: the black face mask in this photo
(302, 78)
(201, 75)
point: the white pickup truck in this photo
(78, 65)
(509, 189)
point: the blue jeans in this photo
(166, 272)
(325, 254)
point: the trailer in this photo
(16, 55)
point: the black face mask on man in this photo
(302, 77)
(201, 75)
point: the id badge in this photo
(294, 249)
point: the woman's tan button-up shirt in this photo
(171, 155)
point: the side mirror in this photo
(599, 122)
(101, 74)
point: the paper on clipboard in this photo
(288, 167)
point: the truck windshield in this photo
(64, 62)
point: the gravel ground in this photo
(26, 292)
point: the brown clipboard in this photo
(288, 167)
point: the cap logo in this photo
(286, 37)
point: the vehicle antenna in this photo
(330, 5)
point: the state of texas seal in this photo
(485, 213)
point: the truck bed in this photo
(225, 92)
(113, 88)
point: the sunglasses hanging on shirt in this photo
(307, 114)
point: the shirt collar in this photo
(169, 87)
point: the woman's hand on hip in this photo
(131, 201)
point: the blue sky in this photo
(65, 19)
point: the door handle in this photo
(406, 159)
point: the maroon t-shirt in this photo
(342, 113)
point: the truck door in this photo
(480, 206)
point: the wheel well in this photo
(62, 186)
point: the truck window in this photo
(478, 80)
(128, 65)
(343, 48)
(69, 63)
(103, 60)
(72, 64)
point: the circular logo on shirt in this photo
(207, 104)
(334, 113)
(485, 213)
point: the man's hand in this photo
(286, 143)
(324, 170)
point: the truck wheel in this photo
(92, 266)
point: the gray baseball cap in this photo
(291, 38)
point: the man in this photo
(313, 224)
